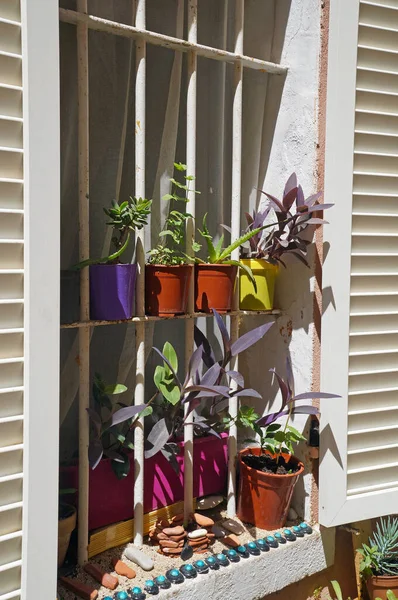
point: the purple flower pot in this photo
(112, 290)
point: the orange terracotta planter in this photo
(214, 287)
(264, 498)
(378, 586)
(166, 289)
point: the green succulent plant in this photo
(380, 555)
(130, 215)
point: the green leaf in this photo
(182, 186)
(116, 388)
(273, 427)
(146, 412)
(180, 166)
(167, 197)
(105, 259)
(171, 355)
(196, 247)
(244, 238)
(121, 469)
(337, 590)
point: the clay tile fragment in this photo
(203, 521)
(80, 589)
(231, 540)
(122, 569)
(178, 530)
(105, 579)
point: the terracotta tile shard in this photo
(171, 551)
(122, 569)
(83, 591)
(198, 542)
(201, 549)
(178, 518)
(177, 538)
(102, 577)
(203, 521)
(174, 530)
(231, 540)
(168, 544)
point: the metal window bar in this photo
(142, 36)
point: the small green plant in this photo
(171, 249)
(113, 426)
(130, 215)
(216, 254)
(380, 555)
(339, 594)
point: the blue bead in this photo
(220, 556)
(174, 573)
(211, 559)
(303, 525)
(189, 567)
(161, 579)
(107, 598)
(287, 532)
(137, 590)
(251, 545)
(278, 535)
(149, 583)
(122, 596)
(241, 549)
(200, 564)
(296, 529)
(270, 538)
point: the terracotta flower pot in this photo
(65, 528)
(166, 289)
(378, 586)
(214, 287)
(264, 498)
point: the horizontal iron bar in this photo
(148, 319)
(167, 41)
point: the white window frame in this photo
(40, 64)
(335, 507)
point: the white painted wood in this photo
(41, 294)
(139, 396)
(359, 456)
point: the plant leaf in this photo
(224, 334)
(116, 388)
(158, 437)
(95, 452)
(95, 419)
(337, 590)
(124, 414)
(237, 377)
(201, 340)
(314, 396)
(121, 468)
(162, 356)
(171, 356)
(249, 338)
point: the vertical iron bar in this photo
(139, 396)
(235, 231)
(84, 252)
(191, 171)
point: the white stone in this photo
(209, 502)
(218, 531)
(233, 526)
(193, 535)
(292, 515)
(138, 557)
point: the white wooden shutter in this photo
(29, 206)
(359, 439)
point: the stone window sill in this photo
(258, 576)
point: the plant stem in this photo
(284, 431)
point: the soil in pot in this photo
(214, 287)
(166, 289)
(379, 586)
(112, 290)
(266, 488)
(264, 274)
(66, 524)
(269, 464)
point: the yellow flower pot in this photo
(264, 273)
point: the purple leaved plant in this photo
(294, 215)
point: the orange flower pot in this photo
(264, 498)
(166, 289)
(378, 586)
(214, 287)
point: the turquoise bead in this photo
(122, 596)
(107, 598)
(211, 559)
(296, 529)
(303, 525)
(241, 549)
(174, 573)
(200, 563)
(149, 583)
(270, 538)
(161, 579)
(278, 535)
(252, 545)
(137, 590)
(287, 532)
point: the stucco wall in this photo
(293, 148)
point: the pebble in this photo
(175, 538)
(138, 557)
(178, 518)
(208, 502)
(233, 526)
(231, 540)
(178, 530)
(199, 542)
(122, 569)
(203, 521)
(198, 533)
(171, 550)
(292, 515)
(218, 531)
